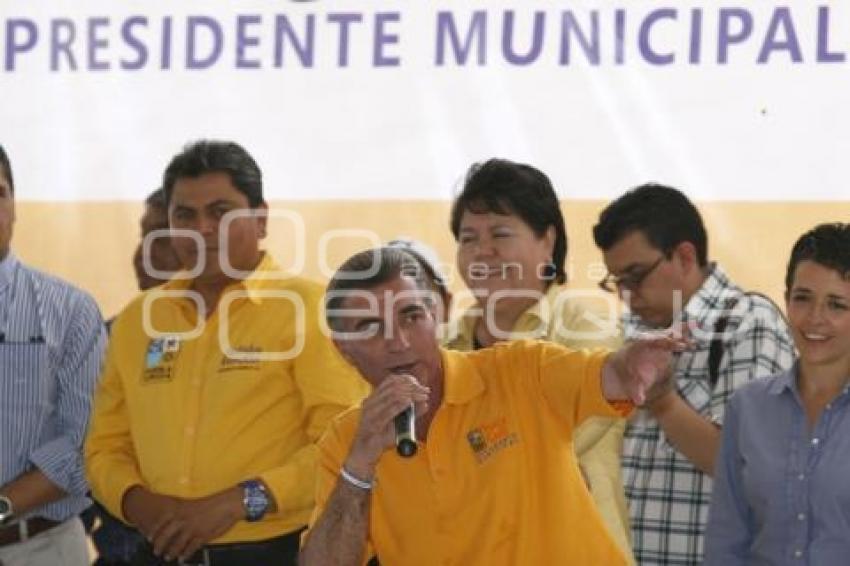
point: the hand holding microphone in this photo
(387, 419)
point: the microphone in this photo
(405, 432)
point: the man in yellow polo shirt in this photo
(494, 479)
(217, 384)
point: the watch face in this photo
(255, 500)
(257, 503)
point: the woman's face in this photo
(819, 312)
(500, 252)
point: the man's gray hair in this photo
(368, 269)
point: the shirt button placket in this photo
(193, 414)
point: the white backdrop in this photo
(96, 96)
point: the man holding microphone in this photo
(494, 471)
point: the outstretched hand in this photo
(641, 363)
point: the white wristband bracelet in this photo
(355, 481)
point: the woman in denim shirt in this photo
(781, 492)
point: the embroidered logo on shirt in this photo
(154, 354)
(160, 357)
(490, 439)
(246, 357)
(171, 344)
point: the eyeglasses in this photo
(630, 281)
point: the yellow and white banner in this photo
(365, 114)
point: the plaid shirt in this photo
(668, 496)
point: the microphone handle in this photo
(405, 432)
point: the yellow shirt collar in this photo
(461, 381)
(536, 316)
(257, 281)
(460, 336)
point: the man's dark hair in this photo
(7, 168)
(504, 187)
(366, 270)
(663, 214)
(825, 244)
(210, 156)
(157, 200)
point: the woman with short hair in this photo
(781, 491)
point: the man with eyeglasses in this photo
(655, 248)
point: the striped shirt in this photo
(52, 345)
(668, 496)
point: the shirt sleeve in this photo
(60, 458)
(328, 385)
(730, 525)
(760, 346)
(111, 462)
(571, 381)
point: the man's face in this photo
(198, 204)
(651, 284)
(162, 256)
(7, 213)
(388, 329)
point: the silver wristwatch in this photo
(7, 510)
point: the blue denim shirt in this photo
(781, 491)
